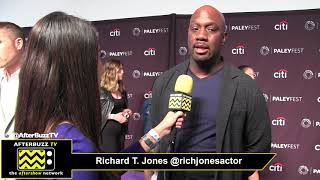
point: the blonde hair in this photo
(110, 80)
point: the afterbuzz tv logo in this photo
(138, 31)
(305, 170)
(281, 26)
(285, 146)
(244, 27)
(279, 121)
(265, 50)
(307, 122)
(277, 167)
(272, 98)
(281, 74)
(36, 159)
(136, 74)
(150, 52)
(238, 50)
(309, 74)
(115, 32)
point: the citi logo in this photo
(282, 26)
(150, 52)
(148, 95)
(277, 167)
(115, 32)
(281, 74)
(239, 49)
(279, 121)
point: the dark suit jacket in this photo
(243, 123)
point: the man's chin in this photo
(199, 58)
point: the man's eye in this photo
(194, 29)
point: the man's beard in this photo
(207, 64)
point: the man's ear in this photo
(19, 43)
(225, 36)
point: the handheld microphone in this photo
(180, 100)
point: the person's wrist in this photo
(111, 116)
(154, 134)
(161, 131)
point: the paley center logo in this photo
(136, 116)
(138, 31)
(305, 170)
(183, 51)
(266, 50)
(275, 145)
(309, 74)
(244, 27)
(273, 98)
(115, 32)
(279, 121)
(136, 74)
(104, 54)
(150, 52)
(281, 74)
(239, 49)
(277, 167)
(307, 122)
(311, 25)
(148, 95)
(281, 26)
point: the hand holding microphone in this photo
(180, 100)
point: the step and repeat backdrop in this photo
(282, 47)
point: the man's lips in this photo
(201, 48)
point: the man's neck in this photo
(11, 70)
(206, 69)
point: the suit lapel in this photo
(229, 88)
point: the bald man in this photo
(229, 112)
(11, 47)
(248, 70)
